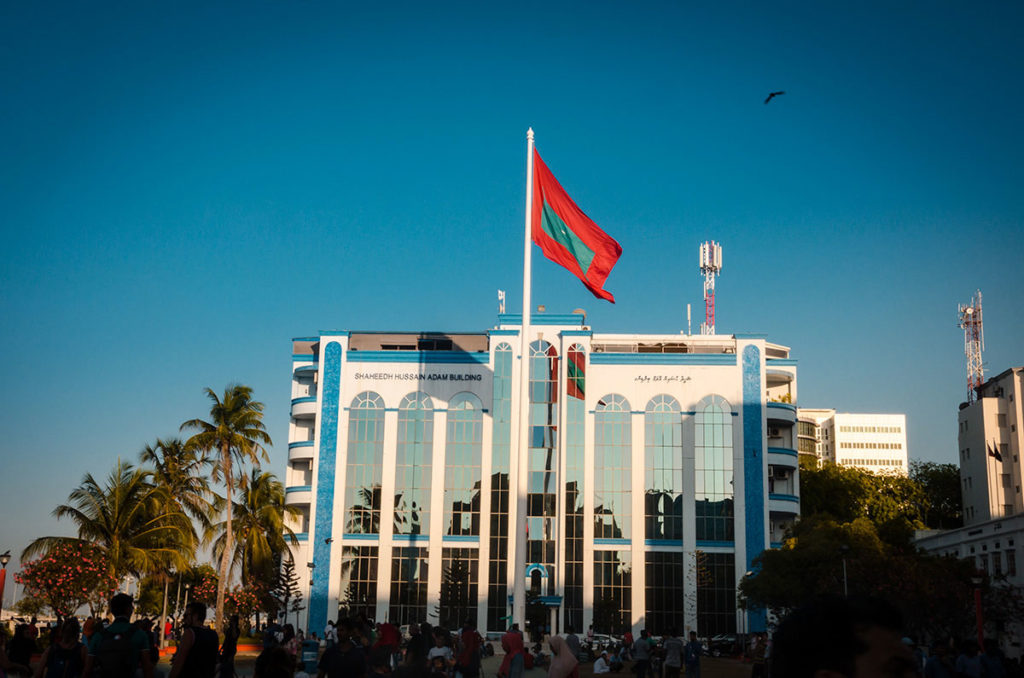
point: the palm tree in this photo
(261, 532)
(132, 520)
(178, 469)
(235, 432)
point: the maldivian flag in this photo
(567, 236)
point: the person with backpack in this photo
(65, 658)
(117, 650)
(196, 656)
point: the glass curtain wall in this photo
(714, 470)
(363, 468)
(663, 476)
(408, 585)
(459, 577)
(613, 574)
(664, 594)
(575, 389)
(612, 468)
(412, 468)
(542, 462)
(501, 436)
(716, 593)
(462, 465)
(358, 581)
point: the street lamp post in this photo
(978, 618)
(5, 558)
(187, 587)
(844, 549)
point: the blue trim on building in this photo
(304, 399)
(301, 536)
(784, 497)
(298, 488)
(305, 338)
(542, 319)
(335, 333)
(312, 367)
(503, 333)
(783, 406)
(776, 544)
(303, 358)
(577, 333)
(663, 359)
(753, 469)
(750, 335)
(783, 450)
(411, 538)
(325, 486)
(781, 361)
(612, 541)
(470, 538)
(663, 542)
(301, 443)
(360, 537)
(707, 543)
(422, 357)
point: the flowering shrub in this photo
(205, 590)
(67, 577)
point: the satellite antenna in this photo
(970, 322)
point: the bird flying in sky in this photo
(772, 96)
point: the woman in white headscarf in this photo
(563, 664)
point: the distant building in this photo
(990, 440)
(658, 467)
(873, 442)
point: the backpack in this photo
(115, 654)
(64, 663)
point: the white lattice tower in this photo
(974, 342)
(710, 266)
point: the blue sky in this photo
(185, 187)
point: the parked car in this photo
(723, 644)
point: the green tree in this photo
(261, 532)
(287, 589)
(132, 521)
(236, 435)
(941, 483)
(68, 576)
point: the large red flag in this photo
(567, 236)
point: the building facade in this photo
(651, 482)
(873, 442)
(990, 440)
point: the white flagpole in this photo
(519, 585)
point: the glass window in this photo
(459, 577)
(364, 464)
(663, 476)
(575, 385)
(612, 468)
(358, 581)
(408, 585)
(714, 469)
(664, 594)
(462, 465)
(542, 460)
(501, 435)
(716, 593)
(612, 582)
(412, 468)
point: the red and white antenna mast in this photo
(974, 343)
(710, 266)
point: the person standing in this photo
(673, 647)
(346, 659)
(563, 662)
(64, 658)
(573, 641)
(691, 656)
(641, 655)
(119, 649)
(467, 657)
(229, 648)
(514, 663)
(196, 656)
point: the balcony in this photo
(783, 456)
(781, 414)
(307, 370)
(298, 495)
(783, 504)
(304, 408)
(301, 450)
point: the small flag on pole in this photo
(567, 236)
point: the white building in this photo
(873, 442)
(651, 481)
(990, 440)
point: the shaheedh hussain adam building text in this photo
(659, 467)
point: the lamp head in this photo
(5, 558)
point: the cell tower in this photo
(974, 343)
(710, 266)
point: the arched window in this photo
(663, 477)
(462, 465)
(364, 464)
(413, 464)
(714, 469)
(542, 459)
(612, 464)
(501, 436)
